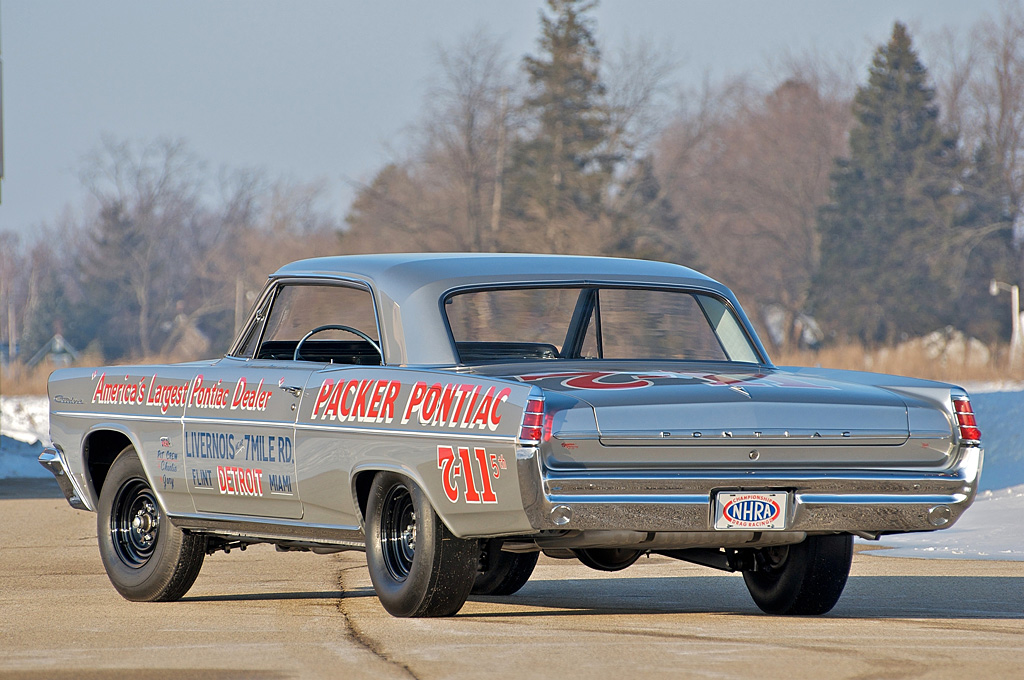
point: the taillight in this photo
(532, 431)
(965, 420)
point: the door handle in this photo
(294, 391)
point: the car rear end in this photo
(695, 458)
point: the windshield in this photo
(595, 323)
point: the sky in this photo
(325, 90)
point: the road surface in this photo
(267, 615)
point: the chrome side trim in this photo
(117, 416)
(272, 530)
(348, 429)
(53, 460)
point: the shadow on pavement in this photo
(873, 597)
(242, 597)
(868, 597)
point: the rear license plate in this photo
(751, 510)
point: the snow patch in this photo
(24, 426)
(26, 419)
(987, 531)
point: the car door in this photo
(239, 430)
(240, 437)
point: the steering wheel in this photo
(338, 327)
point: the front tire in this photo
(417, 566)
(803, 579)
(146, 557)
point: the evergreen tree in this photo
(563, 163)
(881, 274)
(105, 279)
(981, 248)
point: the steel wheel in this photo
(134, 523)
(398, 532)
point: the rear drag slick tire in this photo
(417, 566)
(803, 579)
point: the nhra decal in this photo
(192, 393)
(751, 511)
(460, 466)
(374, 401)
(619, 380)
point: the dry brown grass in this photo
(903, 360)
(16, 380)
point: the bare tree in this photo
(148, 199)
(747, 173)
(441, 195)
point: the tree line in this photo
(837, 210)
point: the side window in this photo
(298, 309)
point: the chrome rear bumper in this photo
(866, 502)
(53, 460)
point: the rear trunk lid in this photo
(707, 417)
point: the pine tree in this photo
(982, 248)
(881, 276)
(563, 162)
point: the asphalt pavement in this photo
(266, 615)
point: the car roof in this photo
(395, 272)
(409, 287)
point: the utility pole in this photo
(1016, 341)
(499, 172)
(1, 113)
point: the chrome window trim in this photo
(742, 320)
(274, 286)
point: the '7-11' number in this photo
(454, 465)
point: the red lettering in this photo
(375, 397)
(430, 403)
(446, 464)
(322, 397)
(344, 409)
(488, 496)
(415, 399)
(484, 409)
(493, 419)
(388, 407)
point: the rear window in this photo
(595, 323)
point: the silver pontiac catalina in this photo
(454, 415)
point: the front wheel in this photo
(802, 579)
(146, 557)
(417, 566)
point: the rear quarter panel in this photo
(453, 435)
